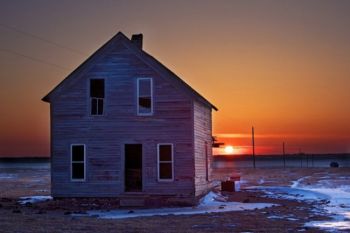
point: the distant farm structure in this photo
(301, 160)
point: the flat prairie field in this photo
(299, 200)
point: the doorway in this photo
(133, 168)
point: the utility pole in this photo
(284, 156)
(253, 144)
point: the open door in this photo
(133, 167)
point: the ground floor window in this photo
(165, 162)
(78, 162)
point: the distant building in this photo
(123, 125)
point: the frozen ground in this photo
(33, 199)
(332, 194)
(24, 179)
(211, 203)
(329, 194)
(306, 200)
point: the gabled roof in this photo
(145, 57)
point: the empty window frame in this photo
(144, 96)
(78, 162)
(165, 162)
(97, 95)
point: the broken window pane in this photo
(78, 153)
(145, 102)
(145, 87)
(97, 93)
(97, 88)
(144, 96)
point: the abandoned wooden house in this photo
(125, 126)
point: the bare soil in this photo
(54, 216)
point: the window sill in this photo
(76, 180)
(165, 181)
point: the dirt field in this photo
(55, 215)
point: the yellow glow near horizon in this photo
(229, 150)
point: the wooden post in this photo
(284, 156)
(253, 144)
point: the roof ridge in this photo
(150, 60)
(119, 34)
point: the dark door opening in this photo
(133, 167)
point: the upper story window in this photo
(144, 96)
(97, 95)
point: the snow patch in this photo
(7, 176)
(281, 192)
(288, 217)
(334, 200)
(41, 190)
(296, 183)
(211, 203)
(338, 208)
(212, 199)
(330, 225)
(33, 199)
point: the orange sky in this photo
(281, 66)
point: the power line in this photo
(34, 59)
(42, 39)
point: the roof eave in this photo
(47, 97)
(154, 62)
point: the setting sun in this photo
(229, 150)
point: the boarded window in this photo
(78, 162)
(165, 162)
(97, 94)
(144, 96)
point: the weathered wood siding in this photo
(202, 145)
(105, 136)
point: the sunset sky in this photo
(280, 66)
